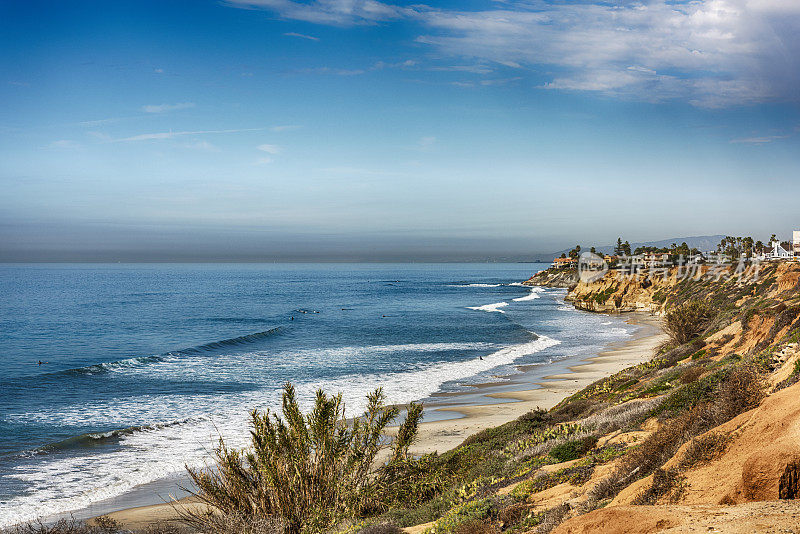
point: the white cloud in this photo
(473, 69)
(500, 81)
(285, 128)
(264, 160)
(269, 149)
(332, 12)
(172, 135)
(427, 141)
(99, 122)
(161, 108)
(301, 36)
(758, 140)
(407, 64)
(329, 70)
(709, 53)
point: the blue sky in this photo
(347, 129)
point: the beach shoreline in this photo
(462, 420)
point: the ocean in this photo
(143, 367)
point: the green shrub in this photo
(685, 322)
(308, 471)
(572, 450)
(461, 515)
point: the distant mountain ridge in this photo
(702, 243)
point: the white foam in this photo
(476, 285)
(534, 294)
(60, 484)
(490, 307)
(615, 332)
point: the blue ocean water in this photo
(144, 366)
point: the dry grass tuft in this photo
(665, 483)
(553, 517)
(103, 525)
(381, 528)
(692, 374)
(703, 449)
(477, 526)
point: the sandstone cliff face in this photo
(616, 292)
(752, 460)
(564, 278)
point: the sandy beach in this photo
(442, 435)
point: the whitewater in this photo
(147, 366)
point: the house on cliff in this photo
(559, 263)
(775, 252)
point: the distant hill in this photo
(702, 243)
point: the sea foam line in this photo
(534, 294)
(490, 307)
(62, 484)
(475, 285)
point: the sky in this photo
(281, 130)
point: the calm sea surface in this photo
(144, 366)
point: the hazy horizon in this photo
(264, 130)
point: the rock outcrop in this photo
(563, 278)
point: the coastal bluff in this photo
(561, 278)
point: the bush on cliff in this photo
(309, 471)
(685, 322)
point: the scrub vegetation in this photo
(641, 430)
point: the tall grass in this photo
(308, 472)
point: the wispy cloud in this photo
(99, 122)
(759, 140)
(301, 36)
(473, 69)
(172, 135)
(329, 70)
(161, 108)
(427, 141)
(331, 12)
(710, 53)
(269, 149)
(407, 64)
(285, 128)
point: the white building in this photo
(777, 252)
(796, 242)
